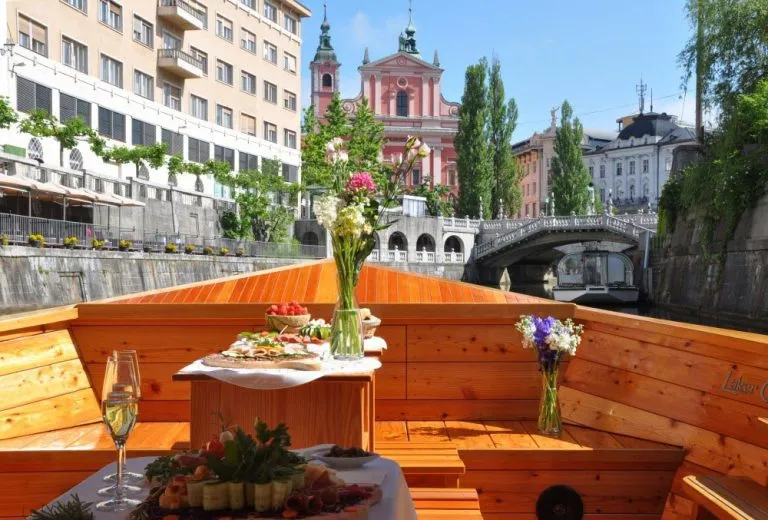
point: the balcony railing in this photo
(180, 63)
(421, 257)
(183, 14)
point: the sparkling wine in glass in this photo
(128, 476)
(119, 408)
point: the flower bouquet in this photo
(351, 212)
(551, 339)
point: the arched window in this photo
(143, 172)
(199, 185)
(425, 243)
(172, 179)
(75, 159)
(453, 245)
(632, 192)
(310, 238)
(402, 103)
(327, 80)
(398, 241)
(35, 149)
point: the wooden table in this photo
(727, 498)
(333, 409)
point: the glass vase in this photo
(549, 407)
(347, 326)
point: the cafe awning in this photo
(14, 183)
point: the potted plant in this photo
(36, 240)
(98, 244)
(207, 250)
(239, 251)
(4, 240)
(223, 251)
(189, 249)
(171, 249)
(125, 245)
(71, 242)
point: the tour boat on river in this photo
(591, 277)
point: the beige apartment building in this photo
(213, 79)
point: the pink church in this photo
(404, 92)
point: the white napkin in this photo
(362, 476)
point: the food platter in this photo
(266, 351)
(346, 458)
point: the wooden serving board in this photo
(221, 361)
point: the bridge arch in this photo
(398, 240)
(425, 242)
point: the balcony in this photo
(185, 15)
(180, 63)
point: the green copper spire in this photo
(325, 50)
(408, 37)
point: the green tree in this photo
(474, 161)
(733, 47)
(8, 115)
(437, 198)
(502, 121)
(570, 178)
(153, 155)
(315, 170)
(366, 138)
(42, 124)
(264, 201)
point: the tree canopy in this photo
(570, 178)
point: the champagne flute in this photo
(119, 406)
(128, 476)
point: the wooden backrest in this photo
(43, 385)
(444, 361)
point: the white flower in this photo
(330, 147)
(338, 142)
(342, 156)
(424, 150)
(326, 211)
(413, 142)
(350, 221)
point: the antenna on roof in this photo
(651, 100)
(641, 89)
(410, 12)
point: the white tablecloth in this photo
(396, 502)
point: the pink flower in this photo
(361, 181)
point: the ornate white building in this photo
(633, 168)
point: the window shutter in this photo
(149, 136)
(25, 95)
(137, 137)
(84, 111)
(194, 150)
(105, 122)
(205, 151)
(43, 97)
(118, 126)
(68, 109)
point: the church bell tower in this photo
(324, 69)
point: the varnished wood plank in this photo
(465, 343)
(313, 283)
(390, 381)
(536, 458)
(21, 333)
(164, 411)
(395, 336)
(35, 351)
(468, 434)
(635, 443)
(28, 386)
(26, 320)
(432, 431)
(327, 291)
(23, 492)
(391, 431)
(712, 412)
(728, 497)
(678, 508)
(562, 442)
(509, 434)
(456, 409)
(706, 448)
(592, 439)
(156, 381)
(71, 409)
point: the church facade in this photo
(404, 92)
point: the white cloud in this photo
(381, 39)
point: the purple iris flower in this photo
(543, 328)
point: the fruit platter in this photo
(287, 317)
(237, 475)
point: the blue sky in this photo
(590, 52)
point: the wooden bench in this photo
(727, 498)
(425, 464)
(440, 503)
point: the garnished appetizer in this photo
(266, 351)
(316, 330)
(257, 476)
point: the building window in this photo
(631, 167)
(249, 3)
(248, 82)
(35, 149)
(270, 52)
(619, 168)
(327, 80)
(224, 72)
(33, 36)
(248, 161)
(289, 100)
(143, 31)
(402, 103)
(289, 62)
(171, 41)
(248, 40)
(198, 151)
(290, 24)
(111, 14)
(415, 176)
(76, 162)
(591, 171)
(290, 173)
(71, 107)
(199, 187)
(111, 71)
(174, 141)
(248, 124)
(80, 5)
(223, 116)
(289, 137)
(668, 164)
(224, 28)
(143, 134)
(31, 96)
(270, 92)
(645, 165)
(111, 124)
(202, 57)
(143, 85)
(172, 96)
(198, 107)
(270, 12)
(602, 171)
(270, 132)
(74, 54)
(222, 154)
(602, 194)
(452, 177)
